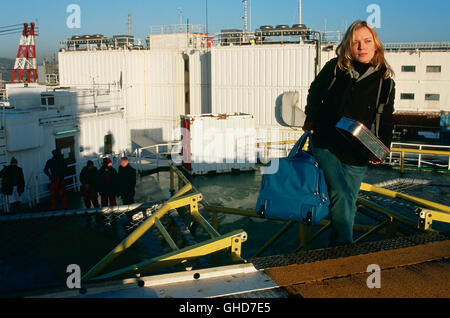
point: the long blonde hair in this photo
(344, 49)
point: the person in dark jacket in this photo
(127, 181)
(56, 170)
(107, 183)
(89, 179)
(13, 184)
(348, 86)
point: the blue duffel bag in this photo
(297, 190)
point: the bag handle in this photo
(300, 143)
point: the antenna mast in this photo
(180, 16)
(299, 11)
(129, 24)
(25, 64)
(245, 18)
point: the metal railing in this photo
(422, 154)
(155, 156)
(178, 28)
(305, 236)
(421, 46)
(37, 183)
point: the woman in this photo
(348, 86)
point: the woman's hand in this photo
(374, 160)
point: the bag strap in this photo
(300, 143)
(334, 78)
(380, 106)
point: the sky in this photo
(399, 20)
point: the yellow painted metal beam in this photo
(375, 207)
(420, 202)
(183, 255)
(204, 224)
(173, 203)
(274, 238)
(426, 218)
(374, 230)
(166, 235)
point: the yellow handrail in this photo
(419, 151)
(420, 202)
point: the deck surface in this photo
(416, 271)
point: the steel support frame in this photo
(230, 241)
(305, 231)
(397, 195)
(426, 218)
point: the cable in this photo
(11, 29)
(15, 32)
(10, 26)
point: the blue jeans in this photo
(343, 182)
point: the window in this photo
(408, 68)
(432, 96)
(108, 143)
(47, 100)
(406, 96)
(433, 68)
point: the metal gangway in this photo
(121, 242)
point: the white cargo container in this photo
(253, 80)
(152, 84)
(218, 143)
(199, 82)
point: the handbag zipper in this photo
(316, 164)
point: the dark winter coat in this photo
(12, 176)
(89, 177)
(352, 96)
(56, 167)
(127, 180)
(107, 181)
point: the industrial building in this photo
(84, 124)
(185, 72)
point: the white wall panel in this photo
(200, 82)
(252, 79)
(152, 81)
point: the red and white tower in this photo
(25, 67)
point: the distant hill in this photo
(5, 66)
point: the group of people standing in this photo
(106, 181)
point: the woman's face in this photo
(363, 46)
